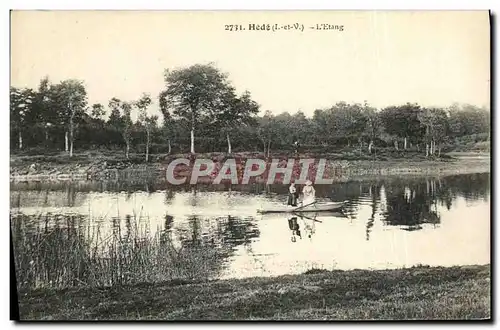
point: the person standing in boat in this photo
(293, 195)
(309, 193)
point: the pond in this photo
(108, 233)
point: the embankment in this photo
(108, 167)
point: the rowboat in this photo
(316, 207)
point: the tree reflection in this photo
(70, 195)
(237, 231)
(166, 231)
(374, 193)
(410, 207)
(213, 240)
(472, 187)
(350, 192)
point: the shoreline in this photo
(430, 293)
(23, 169)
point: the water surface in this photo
(109, 232)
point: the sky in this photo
(434, 58)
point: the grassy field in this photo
(415, 293)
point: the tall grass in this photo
(57, 252)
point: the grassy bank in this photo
(414, 293)
(344, 165)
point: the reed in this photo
(58, 252)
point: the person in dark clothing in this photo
(293, 195)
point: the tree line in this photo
(202, 112)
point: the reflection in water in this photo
(410, 208)
(111, 233)
(374, 194)
(295, 228)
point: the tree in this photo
(115, 115)
(122, 122)
(342, 121)
(21, 109)
(477, 120)
(373, 127)
(353, 121)
(267, 130)
(94, 125)
(468, 119)
(48, 117)
(168, 123)
(300, 127)
(402, 121)
(435, 123)
(237, 112)
(97, 111)
(195, 94)
(148, 121)
(70, 99)
(323, 125)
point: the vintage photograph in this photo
(250, 165)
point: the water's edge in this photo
(338, 170)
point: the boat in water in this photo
(316, 207)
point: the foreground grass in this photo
(414, 293)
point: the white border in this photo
(179, 5)
(255, 4)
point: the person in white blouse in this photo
(309, 193)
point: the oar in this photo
(304, 206)
(303, 216)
